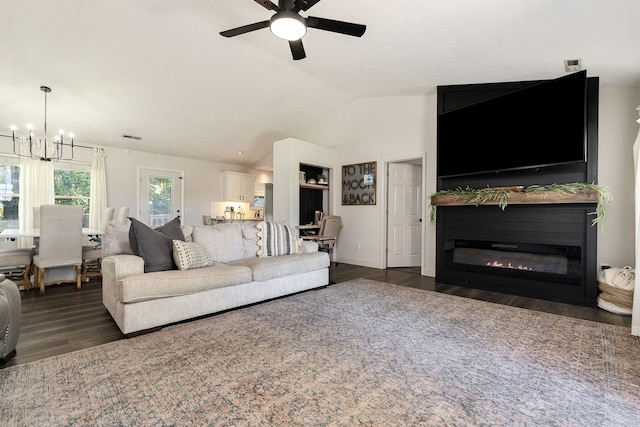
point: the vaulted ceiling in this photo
(159, 70)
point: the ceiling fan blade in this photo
(297, 50)
(245, 29)
(341, 27)
(267, 4)
(304, 5)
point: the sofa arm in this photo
(10, 318)
(115, 268)
(309, 246)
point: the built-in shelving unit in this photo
(313, 197)
(314, 186)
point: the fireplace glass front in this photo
(541, 262)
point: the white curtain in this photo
(36, 183)
(635, 313)
(98, 194)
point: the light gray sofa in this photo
(241, 274)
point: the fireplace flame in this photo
(500, 264)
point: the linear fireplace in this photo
(544, 262)
(541, 251)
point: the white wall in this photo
(617, 133)
(202, 181)
(380, 130)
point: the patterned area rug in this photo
(355, 353)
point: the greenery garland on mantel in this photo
(500, 195)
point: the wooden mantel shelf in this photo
(521, 198)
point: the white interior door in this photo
(404, 226)
(160, 196)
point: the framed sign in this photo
(359, 184)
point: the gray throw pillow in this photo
(155, 246)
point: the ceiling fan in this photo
(288, 24)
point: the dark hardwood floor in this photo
(65, 319)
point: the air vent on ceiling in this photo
(137, 138)
(572, 65)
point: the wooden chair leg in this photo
(41, 280)
(26, 278)
(78, 276)
(84, 270)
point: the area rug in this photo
(355, 353)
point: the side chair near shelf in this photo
(92, 254)
(327, 237)
(60, 242)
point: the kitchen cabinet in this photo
(237, 187)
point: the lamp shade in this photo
(288, 25)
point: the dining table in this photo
(15, 233)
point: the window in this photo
(9, 194)
(72, 186)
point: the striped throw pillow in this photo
(277, 239)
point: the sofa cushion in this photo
(267, 268)
(155, 246)
(188, 255)
(223, 241)
(163, 284)
(276, 239)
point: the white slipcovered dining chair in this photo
(15, 263)
(60, 242)
(123, 214)
(92, 254)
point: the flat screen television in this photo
(543, 124)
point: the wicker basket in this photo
(620, 297)
(604, 287)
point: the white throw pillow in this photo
(250, 238)
(188, 255)
(115, 240)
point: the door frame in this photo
(421, 161)
(178, 173)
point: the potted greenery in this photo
(322, 179)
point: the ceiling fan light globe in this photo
(288, 25)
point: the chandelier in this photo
(41, 148)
